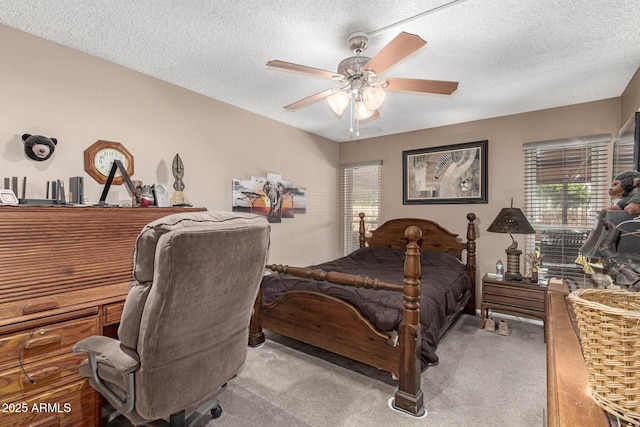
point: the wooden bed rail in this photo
(335, 277)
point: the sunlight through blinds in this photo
(361, 192)
(566, 184)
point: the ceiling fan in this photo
(359, 77)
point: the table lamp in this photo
(512, 220)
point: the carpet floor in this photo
(483, 379)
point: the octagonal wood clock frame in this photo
(99, 157)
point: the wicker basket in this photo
(609, 324)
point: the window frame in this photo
(372, 206)
(572, 173)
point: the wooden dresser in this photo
(569, 401)
(64, 274)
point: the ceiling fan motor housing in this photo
(351, 67)
(358, 42)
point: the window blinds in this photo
(566, 185)
(623, 154)
(361, 192)
(623, 148)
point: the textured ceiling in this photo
(510, 56)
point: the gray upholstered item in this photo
(184, 327)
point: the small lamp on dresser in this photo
(511, 220)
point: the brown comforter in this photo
(445, 290)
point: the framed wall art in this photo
(446, 174)
(271, 196)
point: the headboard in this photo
(391, 234)
(434, 237)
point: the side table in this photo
(519, 297)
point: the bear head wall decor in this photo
(38, 147)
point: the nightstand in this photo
(520, 297)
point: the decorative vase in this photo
(146, 198)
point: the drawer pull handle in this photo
(52, 421)
(42, 374)
(35, 307)
(42, 341)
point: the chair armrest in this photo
(109, 352)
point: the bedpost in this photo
(256, 336)
(361, 230)
(409, 396)
(471, 262)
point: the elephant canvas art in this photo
(270, 196)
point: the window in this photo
(622, 156)
(566, 185)
(361, 191)
(623, 148)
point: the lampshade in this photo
(511, 220)
(373, 97)
(361, 112)
(338, 101)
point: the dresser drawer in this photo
(46, 341)
(43, 373)
(111, 313)
(73, 405)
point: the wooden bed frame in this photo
(334, 325)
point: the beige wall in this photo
(59, 92)
(505, 163)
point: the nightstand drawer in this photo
(491, 291)
(531, 304)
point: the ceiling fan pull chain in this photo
(351, 115)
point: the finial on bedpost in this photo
(361, 230)
(408, 397)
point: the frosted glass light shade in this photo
(338, 102)
(361, 111)
(373, 97)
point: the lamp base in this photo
(513, 277)
(513, 265)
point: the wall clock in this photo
(100, 156)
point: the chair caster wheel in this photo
(216, 411)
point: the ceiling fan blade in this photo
(397, 49)
(310, 71)
(310, 99)
(417, 85)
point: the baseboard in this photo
(513, 318)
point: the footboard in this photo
(331, 324)
(336, 326)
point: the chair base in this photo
(211, 407)
(175, 420)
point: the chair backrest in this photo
(187, 315)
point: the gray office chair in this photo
(184, 327)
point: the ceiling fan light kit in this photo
(361, 112)
(373, 97)
(362, 89)
(338, 101)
